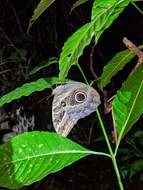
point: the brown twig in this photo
(114, 133)
(91, 63)
(130, 45)
(5, 71)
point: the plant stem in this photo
(99, 153)
(137, 8)
(104, 132)
(83, 74)
(117, 172)
(111, 155)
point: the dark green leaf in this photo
(136, 167)
(41, 7)
(78, 3)
(44, 64)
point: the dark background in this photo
(45, 40)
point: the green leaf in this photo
(18, 55)
(28, 88)
(78, 3)
(31, 156)
(136, 167)
(41, 7)
(44, 64)
(116, 64)
(128, 103)
(103, 14)
(73, 48)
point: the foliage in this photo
(78, 3)
(29, 88)
(115, 65)
(31, 156)
(103, 14)
(41, 7)
(132, 154)
(17, 55)
(47, 152)
(129, 99)
(44, 64)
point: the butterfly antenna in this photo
(47, 98)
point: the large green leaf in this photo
(28, 88)
(116, 64)
(31, 156)
(103, 14)
(128, 103)
(41, 7)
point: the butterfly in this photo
(71, 102)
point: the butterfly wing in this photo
(72, 102)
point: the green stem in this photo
(83, 74)
(137, 8)
(111, 155)
(117, 172)
(104, 132)
(99, 153)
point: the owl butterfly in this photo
(72, 101)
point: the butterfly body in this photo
(72, 101)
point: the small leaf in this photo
(78, 3)
(31, 156)
(103, 14)
(41, 7)
(46, 63)
(73, 48)
(28, 88)
(136, 167)
(18, 55)
(116, 64)
(128, 104)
